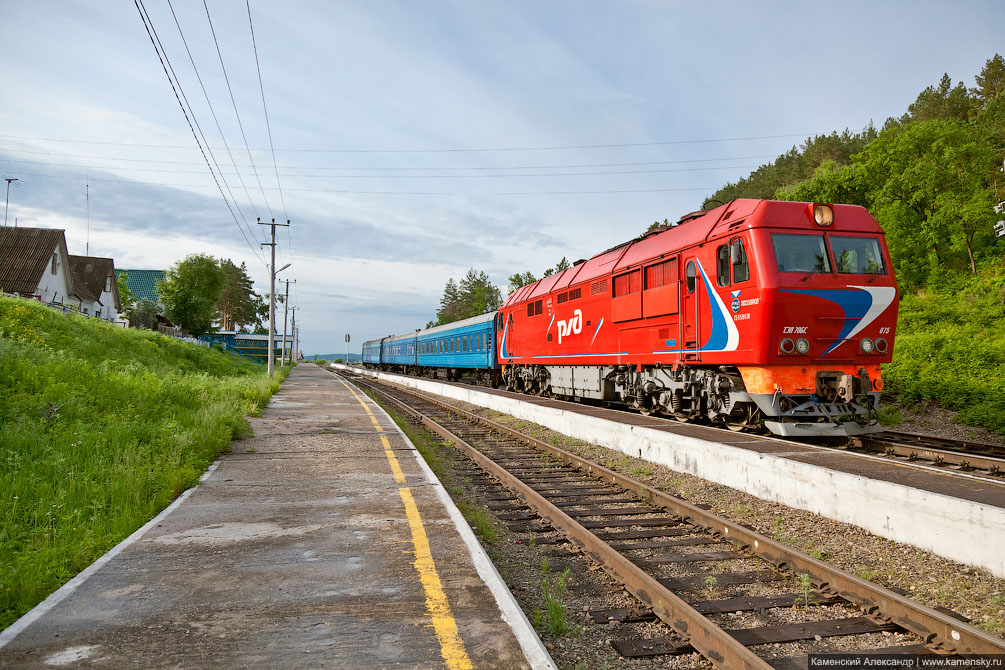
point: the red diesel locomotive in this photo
(754, 313)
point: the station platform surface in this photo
(324, 540)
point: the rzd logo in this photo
(573, 326)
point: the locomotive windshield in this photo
(857, 255)
(801, 253)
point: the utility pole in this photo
(9, 180)
(286, 304)
(272, 292)
(347, 349)
(293, 328)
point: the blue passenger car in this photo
(398, 350)
(463, 344)
(371, 352)
(443, 351)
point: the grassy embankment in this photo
(100, 429)
(950, 349)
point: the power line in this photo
(364, 169)
(148, 25)
(399, 169)
(265, 109)
(218, 128)
(424, 176)
(347, 191)
(268, 127)
(421, 151)
(234, 103)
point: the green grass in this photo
(479, 519)
(552, 619)
(950, 349)
(100, 429)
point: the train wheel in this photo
(743, 418)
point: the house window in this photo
(55, 262)
(108, 284)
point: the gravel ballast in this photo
(530, 566)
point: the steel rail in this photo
(857, 446)
(938, 630)
(708, 639)
(895, 444)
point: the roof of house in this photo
(25, 254)
(90, 273)
(143, 283)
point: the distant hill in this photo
(353, 358)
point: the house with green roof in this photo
(143, 283)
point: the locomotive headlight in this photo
(823, 215)
(866, 345)
(881, 345)
(803, 345)
(787, 346)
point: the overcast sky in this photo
(415, 140)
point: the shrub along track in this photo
(613, 519)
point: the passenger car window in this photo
(800, 253)
(857, 255)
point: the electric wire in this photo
(419, 176)
(148, 26)
(240, 125)
(448, 193)
(268, 128)
(422, 151)
(218, 128)
(398, 169)
(265, 109)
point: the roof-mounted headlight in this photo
(823, 215)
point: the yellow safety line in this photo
(437, 605)
(451, 645)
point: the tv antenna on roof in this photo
(7, 204)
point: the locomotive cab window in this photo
(738, 259)
(857, 255)
(801, 253)
(722, 265)
(729, 258)
(692, 282)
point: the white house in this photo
(34, 263)
(96, 287)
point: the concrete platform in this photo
(962, 518)
(322, 541)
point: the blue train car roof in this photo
(473, 321)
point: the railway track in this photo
(688, 567)
(954, 456)
(961, 454)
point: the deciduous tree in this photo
(189, 292)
